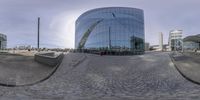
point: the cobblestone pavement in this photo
(92, 77)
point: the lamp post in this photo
(38, 37)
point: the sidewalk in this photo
(188, 66)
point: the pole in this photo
(182, 46)
(109, 39)
(38, 38)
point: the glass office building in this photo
(175, 40)
(3, 41)
(111, 28)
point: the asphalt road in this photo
(21, 70)
(92, 77)
(188, 65)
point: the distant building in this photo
(154, 48)
(157, 47)
(175, 40)
(191, 42)
(23, 47)
(3, 41)
(147, 46)
(161, 41)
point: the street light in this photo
(38, 37)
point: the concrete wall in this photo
(50, 58)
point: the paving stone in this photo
(150, 76)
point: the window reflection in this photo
(121, 29)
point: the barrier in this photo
(50, 58)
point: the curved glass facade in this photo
(112, 28)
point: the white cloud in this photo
(64, 26)
(19, 17)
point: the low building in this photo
(157, 47)
(154, 48)
(191, 43)
(3, 41)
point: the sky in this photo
(18, 19)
